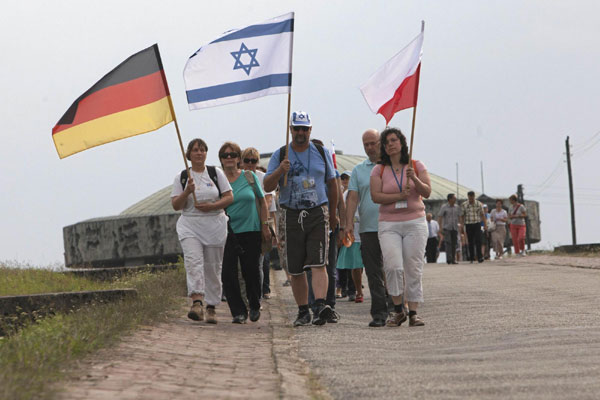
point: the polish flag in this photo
(333, 155)
(395, 85)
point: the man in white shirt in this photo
(433, 229)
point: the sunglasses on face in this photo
(300, 128)
(232, 154)
(250, 160)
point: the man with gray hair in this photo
(359, 194)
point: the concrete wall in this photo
(122, 240)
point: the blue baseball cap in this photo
(300, 118)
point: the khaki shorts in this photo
(305, 235)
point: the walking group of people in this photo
(471, 231)
(375, 214)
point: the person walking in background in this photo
(471, 218)
(344, 282)
(398, 186)
(487, 235)
(305, 217)
(350, 258)
(448, 220)
(498, 217)
(249, 227)
(516, 216)
(202, 229)
(359, 195)
(250, 158)
(433, 235)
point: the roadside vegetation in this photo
(39, 354)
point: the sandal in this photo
(359, 298)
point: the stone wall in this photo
(122, 240)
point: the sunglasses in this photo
(300, 128)
(232, 154)
(250, 160)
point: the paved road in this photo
(511, 329)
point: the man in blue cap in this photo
(305, 218)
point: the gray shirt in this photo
(450, 216)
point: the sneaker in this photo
(196, 312)
(287, 282)
(211, 315)
(335, 317)
(303, 319)
(254, 315)
(396, 318)
(351, 297)
(267, 296)
(325, 313)
(415, 320)
(239, 319)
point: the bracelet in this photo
(264, 222)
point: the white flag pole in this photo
(287, 121)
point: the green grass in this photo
(43, 352)
(17, 281)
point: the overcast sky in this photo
(503, 82)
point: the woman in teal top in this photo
(248, 229)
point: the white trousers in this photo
(203, 270)
(403, 248)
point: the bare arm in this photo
(351, 205)
(376, 185)
(341, 204)
(422, 182)
(178, 202)
(270, 182)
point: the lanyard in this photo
(300, 161)
(396, 178)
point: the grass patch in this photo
(41, 353)
(17, 281)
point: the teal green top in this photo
(242, 212)
(367, 210)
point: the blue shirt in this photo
(306, 187)
(367, 210)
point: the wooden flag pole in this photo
(287, 133)
(412, 133)
(185, 161)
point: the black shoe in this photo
(377, 323)
(325, 313)
(239, 319)
(303, 319)
(480, 260)
(335, 317)
(352, 297)
(254, 315)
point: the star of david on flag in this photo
(227, 69)
(238, 62)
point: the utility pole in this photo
(457, 181)
(571, 192)
(482, 187)
(521, 199)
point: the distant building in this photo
(145, 233)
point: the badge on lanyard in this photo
(402, 204)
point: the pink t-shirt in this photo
(389, 212)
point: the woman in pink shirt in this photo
(398, 189)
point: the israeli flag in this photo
(242, 64)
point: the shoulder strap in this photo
(249, 178)
(212, 173)
(183, 177)
(322, 152)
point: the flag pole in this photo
(185, 161)
(287, 133)
(412, 133)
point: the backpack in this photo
(212, 173)
(283, 150)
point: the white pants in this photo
(403, 248)
(203, 270)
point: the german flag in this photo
(130, 100)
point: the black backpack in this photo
(212, 173)
(283, 150)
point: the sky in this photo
(503, 83)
